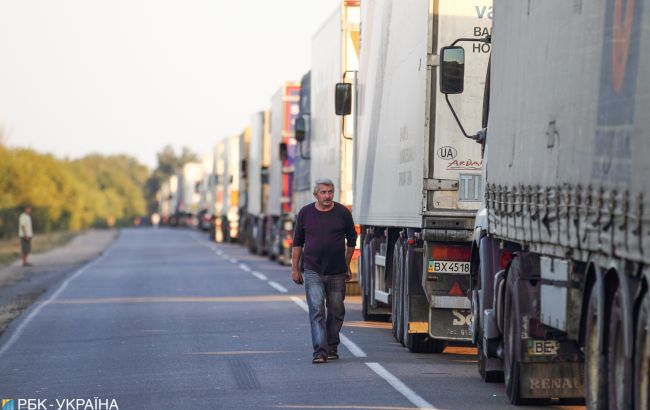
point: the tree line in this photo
(91, 192)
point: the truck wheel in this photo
(415, 342)
(511, 351)
(642, 357)
(418, 342)
(618, 375)
(396, 306)
(487, 376)
(595, 363)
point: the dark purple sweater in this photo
(323, 237)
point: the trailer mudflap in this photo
(549, 379)
(450, 324)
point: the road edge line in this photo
(398, 385)
(15, 335)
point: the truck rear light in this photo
(456, 290)
(505, 258)
(451, 252)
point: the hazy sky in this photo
(129, 76)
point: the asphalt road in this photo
(165, 319)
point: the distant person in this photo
(25, 233)
(155, 219)
(322, 231)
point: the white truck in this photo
(189, 181)
(279, 224)
(235, 150)
(560, 267)
(218, 232)
(325, 148)
(302, 183)
(417, 185)
(205, 192)
(167, 199)
(259, 161)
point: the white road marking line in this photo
(300, 303)
(21, 327)
(278, 287)
(245, 268)
(259, 275)
(349, 344)
(352, 347)
(233, 260)
(403, 389)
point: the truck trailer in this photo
(280, 216)
(234, 185)
(302, 184)
(259, 161)
(417, 185)
(218, 232)
(335, 58)
(560, 264)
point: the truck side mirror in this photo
(284, 152)
(343, 99)
(300, 128)
(452, 70)
(244, 167)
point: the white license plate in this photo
(543, 347)
(448, 267)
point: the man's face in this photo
(324, 195)
(28, 210)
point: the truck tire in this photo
(512, 340)
(618, 375)
(415, 342)
(595, 362)
(642, 357)
(487, 376)
(396, 307)
(511, 346)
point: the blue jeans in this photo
(325, 292)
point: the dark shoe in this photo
(319, 359)
(27, 264)
(333, 355)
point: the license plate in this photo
(543, 347)
(448, 267)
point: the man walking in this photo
(325, 238)
(25, 234)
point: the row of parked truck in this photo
(499, 181)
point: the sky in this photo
(131, 76)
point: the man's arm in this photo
(348, 257)
(296, 276)
(296, 250)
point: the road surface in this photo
(166, 319)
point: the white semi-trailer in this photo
(279, 218)
(233, 184)
(259, 160)
(560, 272)
(417, 185)
(218, 232)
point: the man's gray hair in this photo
(322, 181)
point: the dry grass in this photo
(10, 248)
